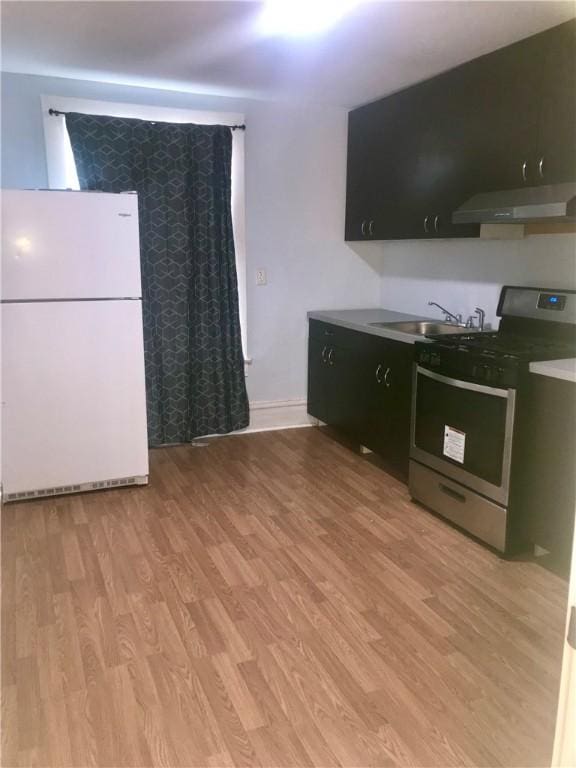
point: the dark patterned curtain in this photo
(193, 351)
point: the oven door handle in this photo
(505, 393)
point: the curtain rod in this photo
(57, 112)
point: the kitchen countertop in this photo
(360, 319)
(556, 369)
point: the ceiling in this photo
(216, 47)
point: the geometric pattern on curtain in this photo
(195, 381)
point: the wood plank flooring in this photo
(270, 600)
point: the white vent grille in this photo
(60, 490)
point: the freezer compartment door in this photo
(74, 393)
(69, 245)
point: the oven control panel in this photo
(554, 301)
(546, 304)
(483, 369)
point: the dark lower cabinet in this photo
(332, 384)
(386, 428)
(361, 384)
(545, 473)
(319, 381)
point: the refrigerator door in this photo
(73, 387)
(69, 245)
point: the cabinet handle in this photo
(363, 228)
(524, 169)
(387, 377)
(378, 372)
(331, 356)
(436, 222)
(371, 227)
(426, 224)
(541, 167)
(324, 354)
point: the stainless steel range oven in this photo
(467, 403)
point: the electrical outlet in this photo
(261, 277)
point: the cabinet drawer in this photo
(368, 344)
(469, 510)
(338, 336)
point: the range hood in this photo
(555, 202)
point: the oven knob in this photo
(486, 372)
(424, 357)
(434, 359)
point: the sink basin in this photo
(421, 327)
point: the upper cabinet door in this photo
(380, 142)
(504, 98)
(556, 147)
(357, 175)
(360, 176)
(391, 193)
(443, 146)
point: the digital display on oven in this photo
(551, 301)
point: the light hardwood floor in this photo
(272, 600)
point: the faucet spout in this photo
(457, 319)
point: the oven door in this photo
(464, 431)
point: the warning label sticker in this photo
(454, 444)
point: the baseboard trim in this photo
(267, 415)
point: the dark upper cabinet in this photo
(504, 88)
(555, 160)
(501, 121)
(441, 144)
(375, 152)
(379, 149)
(528, 91)
(361, 181)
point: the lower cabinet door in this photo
(544, 458)
(345, 396)
(364, 389)
(333, 385)
(386, 429)
(318, 380)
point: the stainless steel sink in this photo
(421, 327)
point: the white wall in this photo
(295, 197)
(295, 193)
(464, 274)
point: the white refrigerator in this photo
(73, 391)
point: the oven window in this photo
(476, 424)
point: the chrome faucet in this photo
(481, 317)
(457, 319)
